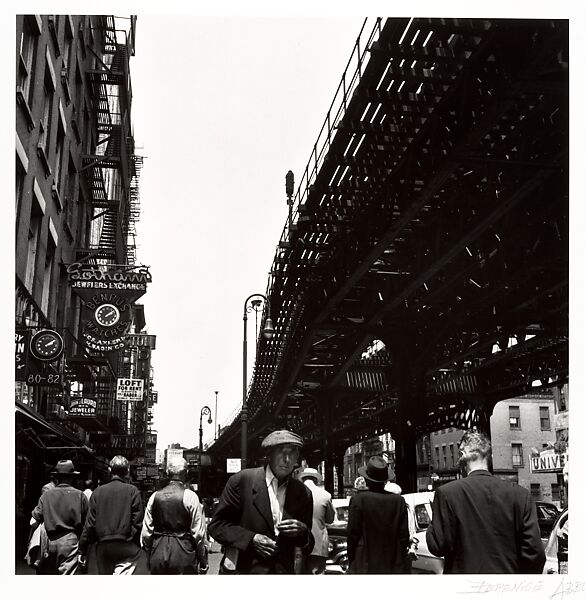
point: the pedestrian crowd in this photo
(273, 519)
(66, 521)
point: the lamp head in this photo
(268, 330)
(209, 421)
(290, 183)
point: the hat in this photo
(360, 484)
(64, 467)
(282, 436)
(308, 472)
(376, 470)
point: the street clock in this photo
(46, 345)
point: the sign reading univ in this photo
(548, 462)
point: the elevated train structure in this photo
(422, 275)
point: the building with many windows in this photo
(83, 374)
(521, 429)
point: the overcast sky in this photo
(222, 109)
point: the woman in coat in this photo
(377, 531)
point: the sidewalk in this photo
(214, 557)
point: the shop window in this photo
(517, 455)
(514, 412)
(535, 490)
(544, 418)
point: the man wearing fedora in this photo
(377, 528)
(62, 509)
(323, 515)
(264, 516)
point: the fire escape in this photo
(110, 174)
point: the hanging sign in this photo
(548, 462)
(130, 389)
(82, 407)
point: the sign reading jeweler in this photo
(82, 407)
(130, 390)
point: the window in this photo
(514, 417)
(517, 456)
(437, 457)
(535, 489)
(45, 124)
(36, 217)
(20, 175)
(444, 456)
(555, 489)
(67, 45)
(544, 419)
(28, 40)
(48, 275)
(452, 451)
(59, 156)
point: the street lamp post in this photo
(268, 332)
(204, 411)
(216, 428)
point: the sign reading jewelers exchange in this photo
(108, 293)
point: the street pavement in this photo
(141, 569)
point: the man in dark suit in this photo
(264, 516)
(377, 527)
(482, 524)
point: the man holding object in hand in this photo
(264, 516)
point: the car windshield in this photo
(546, 512)
(423, 518)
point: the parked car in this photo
(337, 562)
(551, 566)
(419, 504)
(547, 514)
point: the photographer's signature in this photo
(565, 588)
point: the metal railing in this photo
(350, 79)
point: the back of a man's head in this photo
(475, 446)
(119, 466)
(177, 468)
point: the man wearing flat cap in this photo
(62, 509)
(264, 516)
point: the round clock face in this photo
(46, 345)
(107, 315)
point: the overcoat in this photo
(244, 510)
(483, 524)
(377, 533)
